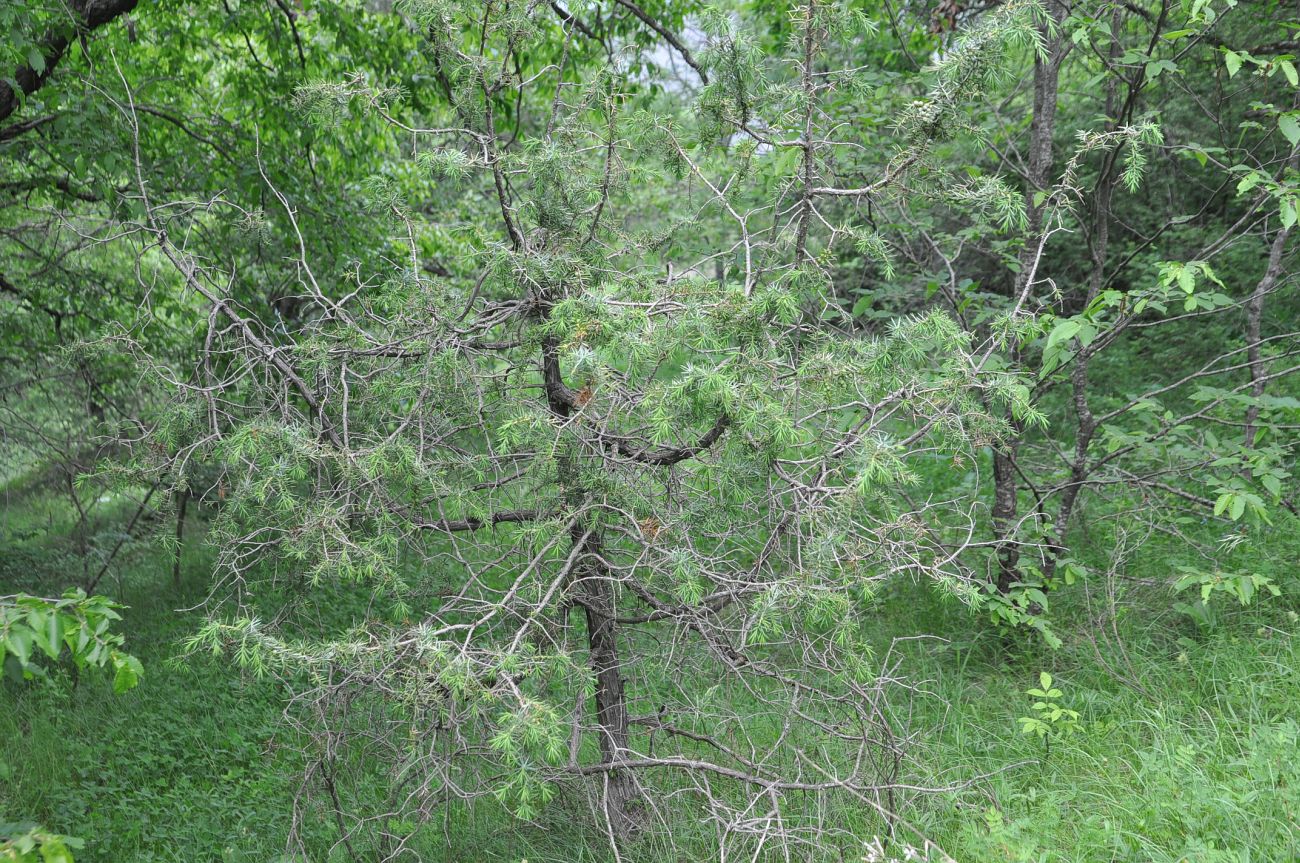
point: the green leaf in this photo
(1238, 507)
(19, 642)
(1044, 680)
(1232, 60)
(1289, 71)
(1290, 128)
(1087, 333)
(128, 672)
(52, 642)
(36, 60)
(1064, 331)
(53, 850)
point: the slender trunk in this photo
(1254, 318)
(182, 500)
(1005, 506)
(1042, 126)
(1086, 425)
(82, 522)
(1098, 245)
(808, 85)
(126, 534)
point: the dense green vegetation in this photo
(1184, 750)
(498, 430)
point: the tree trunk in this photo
(87, 15)
(596, 596)
(1098, 246)
(1005, 490)
(182, 499)
(620, 793)
(1041, 129)
(1254, 318)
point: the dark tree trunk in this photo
(596, 595)
(1005, 507)
(182, 500)
(88, 14)
(1098, 246)
(620, 793)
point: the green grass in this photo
(1188, 753)
(184, 767)
(1199, 764)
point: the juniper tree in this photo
(622, 480)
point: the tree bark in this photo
(1254, 319)
(597, 599)
(85, 15)
(182, 500)
(1005, 507)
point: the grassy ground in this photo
(1194, 758)
(1185, 748)
(184, 767)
